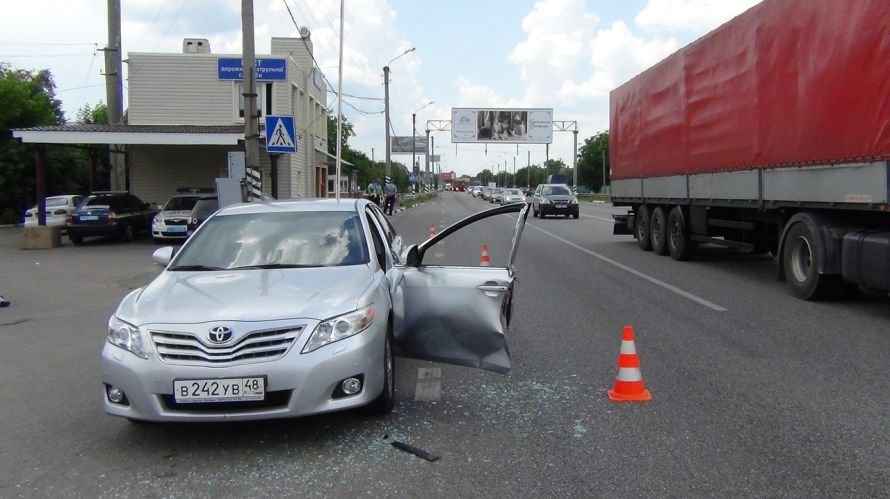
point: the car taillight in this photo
(112, 216)
(69, 218)
(59, 212)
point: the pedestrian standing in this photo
(390, 191)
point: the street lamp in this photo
(414, 168)
(386, 105)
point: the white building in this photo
(186, 114)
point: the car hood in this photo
(247, 295)
(559, 197)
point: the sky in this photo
(561, 54)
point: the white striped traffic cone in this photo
(629, 385)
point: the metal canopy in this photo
(132, 134)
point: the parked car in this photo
(580, 189)
(171, 223)
(202, 210)
(554, 199)
(109, 213)
(512, 196)
(298, 307)
(57, 210)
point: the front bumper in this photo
(169, 232)
(551, 209)
(296, 384)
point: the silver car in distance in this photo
(289, 308)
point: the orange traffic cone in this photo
(629, 385)
(432, 230)
(483, 260)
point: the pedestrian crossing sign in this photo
(280, 136)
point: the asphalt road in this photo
(755, 393)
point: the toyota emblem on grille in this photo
(220, 334)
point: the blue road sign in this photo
(266, 69)
(412, 178)
(280, 136)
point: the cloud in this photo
(557, 32)
(697, 16)
(616, 55)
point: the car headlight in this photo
(126, 336)
(574, 201)
(338, 328)
(545, 201)
(157, 221)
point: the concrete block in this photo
(42, 238)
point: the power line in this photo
(357, 97)
(172, 23)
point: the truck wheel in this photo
(801, 262)
(642, 228)
(679, 245)
(659, 231)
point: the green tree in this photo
(27, 99)
(97, 115)
(593, 158)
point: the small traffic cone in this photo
(432, 230)
(629, 385)
(483, 260)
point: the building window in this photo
(263, 100)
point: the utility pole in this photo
(386, 115)
(528, 171)
(426, 157)
(114, 93)
(513, 183)
(248, 67)
(575, 159)
(372, 155)
(604, 170)
(414, 168)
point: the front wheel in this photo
(801, 258)
(385, 403)
(128, 233)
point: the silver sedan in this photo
(292, 308)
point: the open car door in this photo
(454, 314)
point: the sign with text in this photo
(503, 125)
(266, 69)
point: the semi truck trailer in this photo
(770, 134)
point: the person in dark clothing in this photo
(390, 191)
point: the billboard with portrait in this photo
(502, 125)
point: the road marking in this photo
(603, 219)
(657, 282)
(429, 384)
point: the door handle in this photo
(494, 288)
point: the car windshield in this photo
(555, 190)
(97, 201)
(180, 204)
(514, 192)
(269, 240)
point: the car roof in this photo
(296, 205)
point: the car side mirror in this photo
(146, 205)
(411, 256)
(162, 256)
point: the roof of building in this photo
(132, 134)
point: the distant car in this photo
(57, 210)
(554, 199)
(202, 210)
(580, 189)
(171, 223)
(512, 196)
(495, 196)
(110, 213)
(291, 308)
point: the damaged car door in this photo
(454, 314)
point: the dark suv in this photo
(554, 199)
(110, 213)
